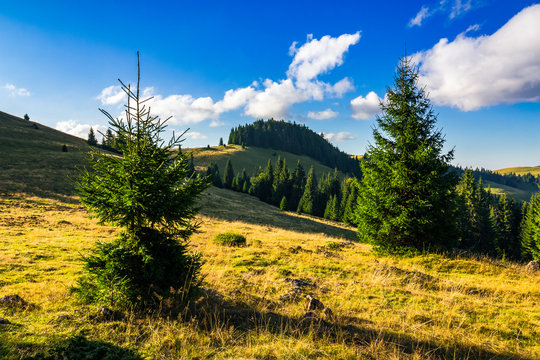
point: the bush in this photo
(230, 239)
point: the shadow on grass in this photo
(217, 311)
(234, 206)
(77, 348)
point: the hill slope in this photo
(32, 160)
(520, 170)
(250, 158)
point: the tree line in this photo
(109, 142)
(296, 139)
(294, 190)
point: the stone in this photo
(4, 321)
(533, 266)
(314, 304)
(328, 314)
(13, 300)
(309, 315)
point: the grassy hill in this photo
(32, 160)
(521, 170)
(523, 194)
(250, 158)
(420, 307)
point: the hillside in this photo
(32, 160)
(296, 139)
(521, 170)
(250, 158)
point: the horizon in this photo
(479, 61)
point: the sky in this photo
(212, 65)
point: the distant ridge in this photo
(294, 138)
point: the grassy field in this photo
(422, 307)
(535, 170)
(518, 194)
(250, 158)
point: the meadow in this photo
(427, 306)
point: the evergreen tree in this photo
(92, 141)
(261, 184)
(309, 198)
(504, 226)
(407, 194)
(530, 229)
(212, 173)
(26, 117)
(228, 175)
(283, 206)
(331, 209)
(298, 180)
(191, 165)
(220, 141)
(149, 194)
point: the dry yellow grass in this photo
(429, 306)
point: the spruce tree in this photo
(92, 141)
(407, 194)
(283, 205)
(228, 175)
(530, 229)
(309, 197)
(148, 193)
(220, 141)
(504, 226)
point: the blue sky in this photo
(214, 65)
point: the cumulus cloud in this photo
(460, 7)
(322, 115)
(339, 137)
(112, 95)
(319, 56)
(422, 14)
(260, 100)
(15, 91)
(470, 73)
(75, 128)
(363, 108)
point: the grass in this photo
(421, 307)
(521, 170)
(230, 238)
(518, 194)
(250, 158)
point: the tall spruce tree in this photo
(148, 193)
(309, 199)
(228, 175)
(407, 194)
(530, 229)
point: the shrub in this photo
(230, 239)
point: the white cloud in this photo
(323, 115)
(339, 137)
(266, 100)
(319, 56)
(195, 135)
(14, 91)
(81, 130)
(422, 14)
(364, 108)
(112, 95)
(470, 73)
(460, 7)
(216, 123)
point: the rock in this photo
(533, 266)
(4, 321)
(106, 312)
(309, 315)
(314, 304)
(299, 283)
(328, 314)
(12, 300)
